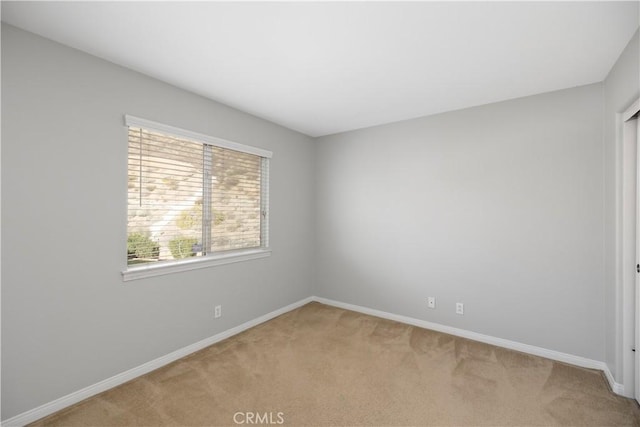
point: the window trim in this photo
(169, 267)
(218, 258)
(133, 121)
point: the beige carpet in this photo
(320, 365)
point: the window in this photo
(193, 200)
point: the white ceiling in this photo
(327, 67)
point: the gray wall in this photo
(68, 320)
(621, 88)
(499, 207)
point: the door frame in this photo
(626, 276)
(636, 354)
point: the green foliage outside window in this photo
(182, 247)
(142, 246)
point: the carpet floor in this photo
(320, 365)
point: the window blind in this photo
(190, 198)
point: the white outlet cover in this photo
(459, 308)
(431, 302)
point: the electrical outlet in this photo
(459, 308)
(218, 311)
(431, 302)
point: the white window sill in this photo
(162, 268)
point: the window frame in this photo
(216, 258)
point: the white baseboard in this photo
(75, 397)
(617, 388)
(512, 345)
